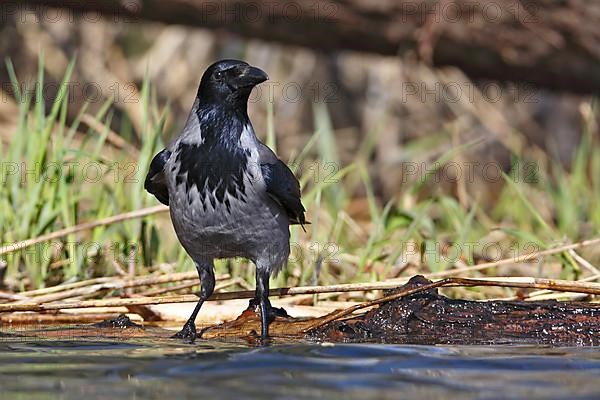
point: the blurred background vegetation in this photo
(424, 160)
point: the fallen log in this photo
(427, 317)
(430, 318)
(546, 43)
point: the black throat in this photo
(218, 163)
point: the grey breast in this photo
(216, 223)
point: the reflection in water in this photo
(135, 369)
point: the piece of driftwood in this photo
(430, 318)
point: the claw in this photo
(188, 332)
(263, 341)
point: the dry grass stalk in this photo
(584, 263)
(92, 287)
(82, 227)
(514, 260)
(462, 269)
(187, 285)
(66, 286)
(549, 294)
(534, 283)
(11, 296)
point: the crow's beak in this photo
(250, 76)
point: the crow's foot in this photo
(263, 341)
(188, 332)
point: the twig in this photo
(538, 293)
(584, 263)
(428, 34)
(11, 296)
(187, 285)
(231, 282)
(118, 268)
(169, 289)
(113, 284)
(82, 227)
(167, 278)
(66, 286)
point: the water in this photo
(167, 369)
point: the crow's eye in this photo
(219, 75)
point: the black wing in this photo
(284, 188)
(155, 180)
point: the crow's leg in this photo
(262, 295)
(207, 281)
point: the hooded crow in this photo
(229, 195)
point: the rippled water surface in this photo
(167, 369)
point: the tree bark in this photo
(547, 43)
(429, 318)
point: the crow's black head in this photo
(229, 82)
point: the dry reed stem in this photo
(144, 212)
(11, 296)
(584, 263)
(187, 285)
(155, 292)
(141, 281)
(66, 286)
(534, 295)
(513, 260)
(116, 283)
(548, 294)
